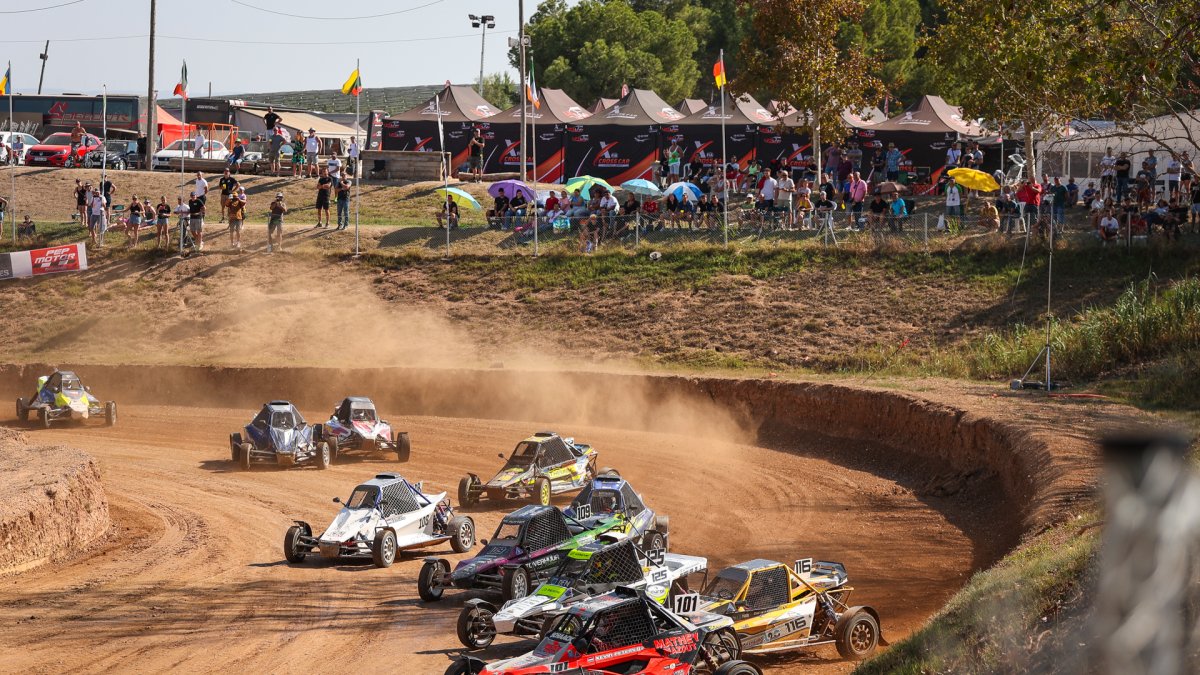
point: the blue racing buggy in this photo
(279, 435)
(61, 396)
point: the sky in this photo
(228, 43)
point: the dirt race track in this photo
(193, 579)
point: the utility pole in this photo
(521, 93)
(151, 103)
(44, 56)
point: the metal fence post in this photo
(637, 229)
(926, 220)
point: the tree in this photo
(888, 33)
(592, 48)
(500, 90)
(716, 24)
(792, 51)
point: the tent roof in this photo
(866, 117)
(740, 110)
(931, 114)
(458, 103)
(602, 104)
(639, 107)
(691, 106)
(163, 117)
(302, 122)
(556, 107)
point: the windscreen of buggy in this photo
(726, 584)
(508, 535)
(605, 501)
(362, 414)
(363, 497)
(558, 639)
(72, 384)
(283, 420)
(524, 454)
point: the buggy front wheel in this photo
(44, 414)
(475, 628)
(462, 533)
(291, 545)
(515, 584)
(541, 491)
(244, 456)
(465, 498)
(324, 456)
(429, 586)
(403, 446)
(856, 634)
(110, 414)
(22, 410)
(383, 551)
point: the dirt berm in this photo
(1041, 450)
(52, 503)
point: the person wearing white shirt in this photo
(334, 165)
(1109, 228)
(953, 200)
(1174, 168)
(952, 156)
(201, 188)
(352, 158)
(785, 187)
(198, 143)
(312, 146)
(1108, 174)
(768, 191)
(96, 224)
(608, 208)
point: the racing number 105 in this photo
(424, 522)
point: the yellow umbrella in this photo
(459, 197)
(973, 179)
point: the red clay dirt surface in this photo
(195, 578)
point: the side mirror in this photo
(87, 388)
(483, 541)
(337, 500)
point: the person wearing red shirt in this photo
(552, 202)
(1029, 196)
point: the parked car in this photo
(56, 149)
(7, 138)
(186, 148)
(116, 155)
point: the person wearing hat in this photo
(237, 214)
(234, 159)
(312, 147)
(275, 222)
(196, 219)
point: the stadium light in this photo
(485, 22)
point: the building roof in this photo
(302, 122)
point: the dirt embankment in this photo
(52, 503)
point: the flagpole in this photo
(104, 160)
(12, 169)
(533, 148)
(437, 106)
(183, 158)
(724, 159)
(357, 128)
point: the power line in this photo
(335, 18)
(256, 42)
(39, 9)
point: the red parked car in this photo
(57, 147)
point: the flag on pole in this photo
(181, 89)
(6, 81)
(719, 72)
(531, 92)
(353, 85)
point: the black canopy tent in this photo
(700, 133)
(602, 104)
(417, 129)
(922, 133)
(622, 142)
(502, 135)
(691, 106)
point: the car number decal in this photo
(686, 602)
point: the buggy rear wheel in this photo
(465, 498)
(722, 645)
(654, 539)
(44, 415)
(542, 491)
(462, 533)
(515, 584)
(429, 586)
(291, 545)
(383, 551)
(333, 449)
(856, 634)
(464, 666)
(244, 456)
(22, 410)
(608, 471)
(403, 446)
(737, 668)
(110, 414)
(475, 627)
(324, 456)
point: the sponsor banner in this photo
(614, 153)
(702, 142)
(422, 136)
(784, 147)
(42, 261)
(502, 149)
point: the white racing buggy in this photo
(587, 571)
(355, 425)
(382, 516)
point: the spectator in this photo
(312, 148)
(767, 191)
(234, 159)
(1109, 229)
(109, 191)
(608, 210)
(673, 209)
(334, 166)
(785, 190)
(1195, 207)
(1006, 204)
(1096, 209)
(651, 212)
(674, 157)
(275, 223)
(517, 208)
(1122, 168)
(953, 200)
(1029, 198)
(198, 144)
(1108, 174)
(893, 162)
(133, 222)
(1174, 169)
(1090, 194)
(162, 223)
(3, 210)
(226, 184)
(1150, 165)
(270, 120)
(18, 150)
(196, 209)
(200, 188)
(83, 193)
(297, 157)
(1059, 201)
(1072, 192)
(552, 204)
(1187, 175)
(343, 202)
(183, 213)
(878, 166)
(77, 134)
(589, 234)
(823, 211)
(448, 214)
(476, 154)
(858, 195)
(953, 156)
(273, 150)
(96, 224)
(352, 158)
(237, 216)
(324, 185)
(899, 213)
(500, 209)
(876, 212)
(989, 216)
(855, 155)
(833, 157)
(578, 207)
(26, 229)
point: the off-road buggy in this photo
(527, 546)
(384, 515)
(609, 495)
(624, 632)
(355, 425)
(542, 465)
(779, 608)
(588, 571)
(279, 435)
(61, 396)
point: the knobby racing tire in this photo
(722, 645)
(515, 584)
(608, 471)
(654, 539)
(427, 589)
(465, 666)
(291, 545)
(475, 628)
(465, 498)
(324, 456)
(44, 415)
(462, 533)
(333, 449)
(403, 446)
(235, 447)
(22, 410)
(244, 456)
(383, 550)
(542, 492)
(110, 414)
(737, 668)
(856, 634)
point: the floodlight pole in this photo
(12, 165)
(44, 56)
(484, 21)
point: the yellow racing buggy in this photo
(779, 608)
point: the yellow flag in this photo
(353, 85)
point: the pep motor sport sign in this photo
(42, 261)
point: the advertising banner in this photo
(42, 261)
(784, 147)
(39, 115)
(614, 153)
(422, 136)
(502, 149)
(702, 142)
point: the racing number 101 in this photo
(687, 602)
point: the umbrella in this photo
(890, 187)
(973, 179)
(584, 185)
(641, 187)
(511, 187)
(459, 197)
(677, 189)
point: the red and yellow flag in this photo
(719, 72)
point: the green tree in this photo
(888, 33)
(592, 48)
(500, 90)
(792, 50)
(716, 24)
